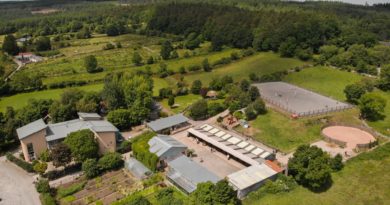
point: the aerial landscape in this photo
(194, 102)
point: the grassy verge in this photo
(364, 180)
(20, 100)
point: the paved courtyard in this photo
(16, 186)
(215, 162)
(296, 100)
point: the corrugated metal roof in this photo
(250, 176)
(188, 173)
(161, 144)
(30, 128)
(167, 122)
(89, 116)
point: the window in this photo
(30, 151)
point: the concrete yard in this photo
(16, 186)
(299, 101)
(215, 162)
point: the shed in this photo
(165, 147)
(166, 125)
(137, 168)
(187, 174)
(251, 178)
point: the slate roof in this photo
(167, 122)
(161, 144)
(31, 128)
(187, 173)
(61, 130)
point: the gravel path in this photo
(16, 186)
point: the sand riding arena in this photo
(349, 137)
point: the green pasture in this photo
(182, 102)
(261, 63)
(363, 181)
(20, 100)
(327, 81)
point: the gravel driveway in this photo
(16, 186)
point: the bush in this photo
(120, 118)
(214, 108)
(47, 199)
(154, 179)
(193, 68)
(110, 161)
(45, 156)
(23, 164)
(42, 186)
(124, 147)
(90, 168)
(63, 192)
(337, 163)
(199, 110)
(108, 46)
(40, 167)
(222, 61)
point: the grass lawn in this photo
(324, 80)
(282, 132)
(159, 83)
(261, 63)
(365, 180)
(19, 100)
(383, 126)
(182, 102)
(286, 134)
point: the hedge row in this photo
(70, 169)
(141, 152)
(21, 163)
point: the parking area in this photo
(298, 101)
(214, 161)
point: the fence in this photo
(308, 113)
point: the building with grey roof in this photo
(169, 124)
(37, 136)
(251, 178)
(165, 147)
(187, 174)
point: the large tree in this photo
(120, 118)
(61, 155)
(311, 167)
(372, 106)
(42, 43)
(353, 92)
(9, 45)
(166, 49)
(198, 110)
(91, 64)
(82, 145)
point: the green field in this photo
(324, 80)
(261, 63)
(365, 180)
(20, 100)
(182, 101)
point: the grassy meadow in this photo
(364, 180)
(327, 81)
(182, 102)
(260, 63)
(19, 100)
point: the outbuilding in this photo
(169, 124)
(166, 148)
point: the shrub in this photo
(40, 167)
(108, 46)
(42, 186)
(124, 147)
(198, 110)
(90, 168)
(82, 145)
(193, 68)
(47, 199)
(154, 179)
(110, 161)
(23, 164)
(120, 118)
(214, 108)
(45, 156)
(337, 163)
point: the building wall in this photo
(107, 142)
(38, 141)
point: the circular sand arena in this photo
(351, 136)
